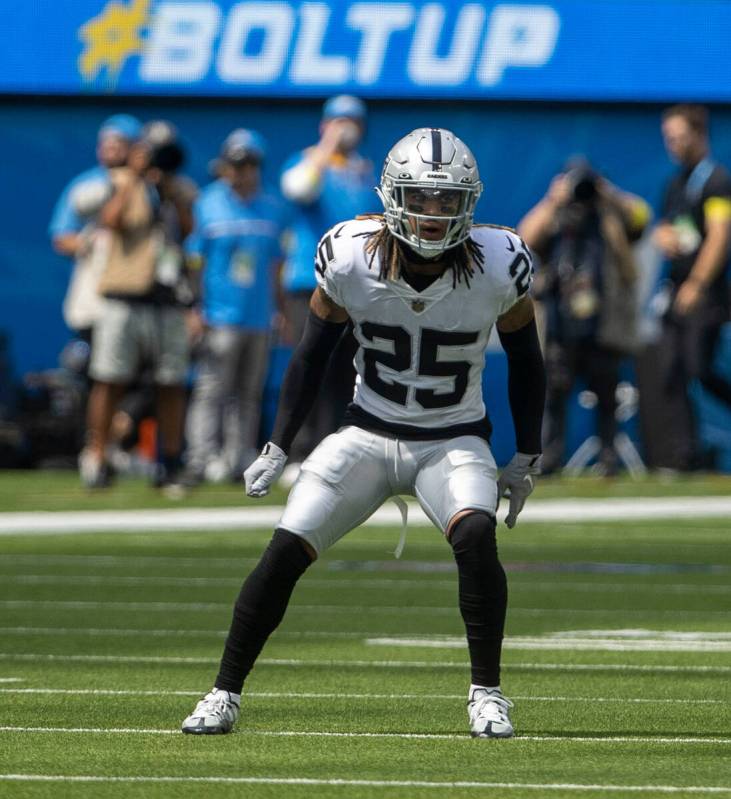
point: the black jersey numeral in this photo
(399, 360)
(325, 255)
(431, 340)
(520, 270)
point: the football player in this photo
(423, 287)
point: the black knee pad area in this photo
(473, 538)
(286, 551)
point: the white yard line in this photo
(387, 735)
(574, 644)
(610, 641)
(288, 695)
(134, 561)
(375, 664)
(179, 519)
(525, 571)
(129, 632)
(350, 610)
(339, 782)
(337, 583)
(657, 642)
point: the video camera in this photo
(584, 184)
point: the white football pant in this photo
(354, 471)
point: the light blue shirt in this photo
(239, 241)
(65, 218)
(347, 190)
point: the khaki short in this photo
(353, 472)
(130, 337)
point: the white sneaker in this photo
(290, 473)
(215, 714)
(488, 712)
(93, 471)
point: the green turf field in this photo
(618, 659)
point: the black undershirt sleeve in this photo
(303, 377)
(526, 386)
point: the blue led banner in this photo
(636, 50)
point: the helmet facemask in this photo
(415, 211)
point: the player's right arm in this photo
(324, 327)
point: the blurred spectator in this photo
(326, 183)
(142, 325)
(236, 245)
(693, 235)
(582, 231)
(73, 227)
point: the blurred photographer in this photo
(142, 327)
(74, 230)
(582, 232)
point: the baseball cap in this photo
(344, 105)
(123, 125)
(242, 145)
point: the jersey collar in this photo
(420, 301)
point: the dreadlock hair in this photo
(464, 258)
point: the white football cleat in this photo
(215, 714)
(488, 712)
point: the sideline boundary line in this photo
(217, 519)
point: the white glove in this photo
(516, 482)
(265, 470)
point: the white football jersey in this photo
(421, 353)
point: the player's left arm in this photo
(527, 395)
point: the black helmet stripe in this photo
(436, 148)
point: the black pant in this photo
(686, 354)
(599, 366)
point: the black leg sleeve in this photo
(483, 594)
(260, 607)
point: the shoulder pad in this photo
(496, 227)
(335, 250)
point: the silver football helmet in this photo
(427, 165)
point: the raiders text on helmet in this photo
(435, 161)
